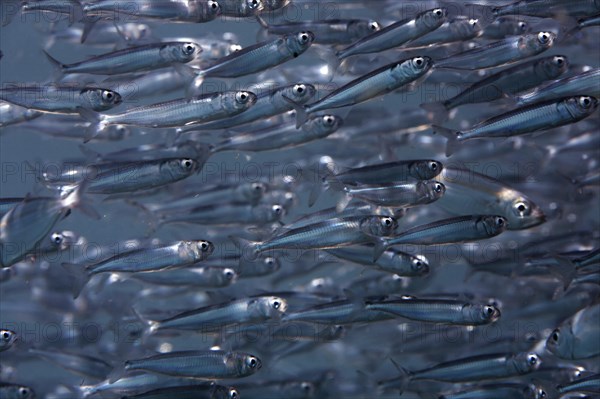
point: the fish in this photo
(7, 339)
(281, 136)
(140, 58)
(177, 254)
(87, 366)
(587, 384)
(189, 392)
(241, 8)
(454, 30)
(206, 319)
(176, 113)
(61, 99)
(227, 214)
(585, 83)
(330, 233)
(387, 172)
(380, 81)
(397, 34)
(438, 310)
(215, 364)
(391, 261)
(195, 11)
(510, 81)
(11, 114)
(209, 277)
(329, 31)
(454, 230)
(15, 391)
(503, 52)
(538, 8)
(500, 390)
(577, 338)
(523, 120)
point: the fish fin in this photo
(381, 244)
(315, 193)
(343, 203)
(331, 59)
(57, 65)
(90, 154)
(565, 270)
(452, 135)
(96, 120)
(404, 376)
(150, 326)
(117, 373)
(243, 243)
(185, 71)
(80, 277)
(439, 111)
(88, 26)
(262, 22)
(301, 114)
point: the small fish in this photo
(241, 8)
(503, 27)
(226, 214)
(469, 369)
(438, 310)
(401, 74)
(177, 113)
(586, 83)
(133, 59)
(189, 392)
(14, 391)
(282, 136)
(509, 81)
(7, 339)
(87, 366)
(391, 261)
(11, 114)
(499, 53)
(388, 172)
(397, 34)
(258, 57)
(331, 233)
(499, 391)
(455, 30)
(453, 230)
(329, 31)
(587, 384)
(195, 11)
(549, 8)
(178, 254)
(578, 337)
(215, 364)
(345, 311)
(65, 99)
(198, 277)
(247, 310)
(527, 119)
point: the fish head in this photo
(494, 224)
(272, 306)
(254, 5)
(540, 41)
(300, 42)
(206, 10)
(526, 362)
(433, 18)
(299, 93)
(247, 364)
(560, 343)
(62, 240)
(269, 264)
(268, 213)
(185, 52)
(182, 167)
(378, 226)
(101, 99)
(522, 213)
(325, 125)
(434, 189)
(484, 314)
(200, 249)
(20, 392)
(554, 66)
(419, 264)
(363, 27)
(228, 275)
(425, 169)
(7, 338)
(582, 106)
(414, 67)
(270, 5)
(470, 28)
(253, 192)
(238, 100)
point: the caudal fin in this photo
(97, 124)
(80, 277)
(245, 245)
(438, 111)
(57, 65)
(452, 135)
(381, 245)
(150, 326)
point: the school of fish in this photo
(294, 199)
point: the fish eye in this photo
(187, 163)
(254, 3)
(499, 221)
(57, 238)
(544, 37)
(473, 22)
(204, 246)
(555, 335)
(559, 60)
(277, 209)
(233, 394)
(189, 48)
(252, 362)
(23, 391)
(419, 61)
(229, 274)
(585, 102)
(299, 88)
(303, 37)
(374, 26)
(242, 96)
(276, 305)
(6, 335)
(489, 311)
(532, 359)
(433, 166)
(108, 95)
(269, 261)
(522, 25)
(387, 222)
(521, 207)
(438, 188)
(328, 120)
(418, 265)
(257, 187)
(438, 12)
(213, 4)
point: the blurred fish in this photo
(7, 339)
(586, 83)
(13, 391)
(503, 27)
(578, 337)
(189, 392)
(539, 8)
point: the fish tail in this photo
(439, 110)
(74, 199)
(301, 114)
(452, 136)
(403, 378)
(97, 123)
(117, 373)
(80, 277)
(88, 26)
(58, 66)
(324, 181)
(244, 244)
(565, 270)
(262, 22)
(150, 326)
(380, 246)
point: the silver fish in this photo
(578, 337)
(549, 8)
(241, 8)
(455, 30)
(195, 11)
(11, 114)
(527, 119)
(7, 339)
(87, 366)
(226, 214)
(209, 277)
(586, 83)
(391, 261)
(503, 27)
(189, 392)
(395, 195)
(397, 33)
(178, 254)
(499, 53)
(14, 391)
(388, 172)
(61, 98)
(283, 136)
